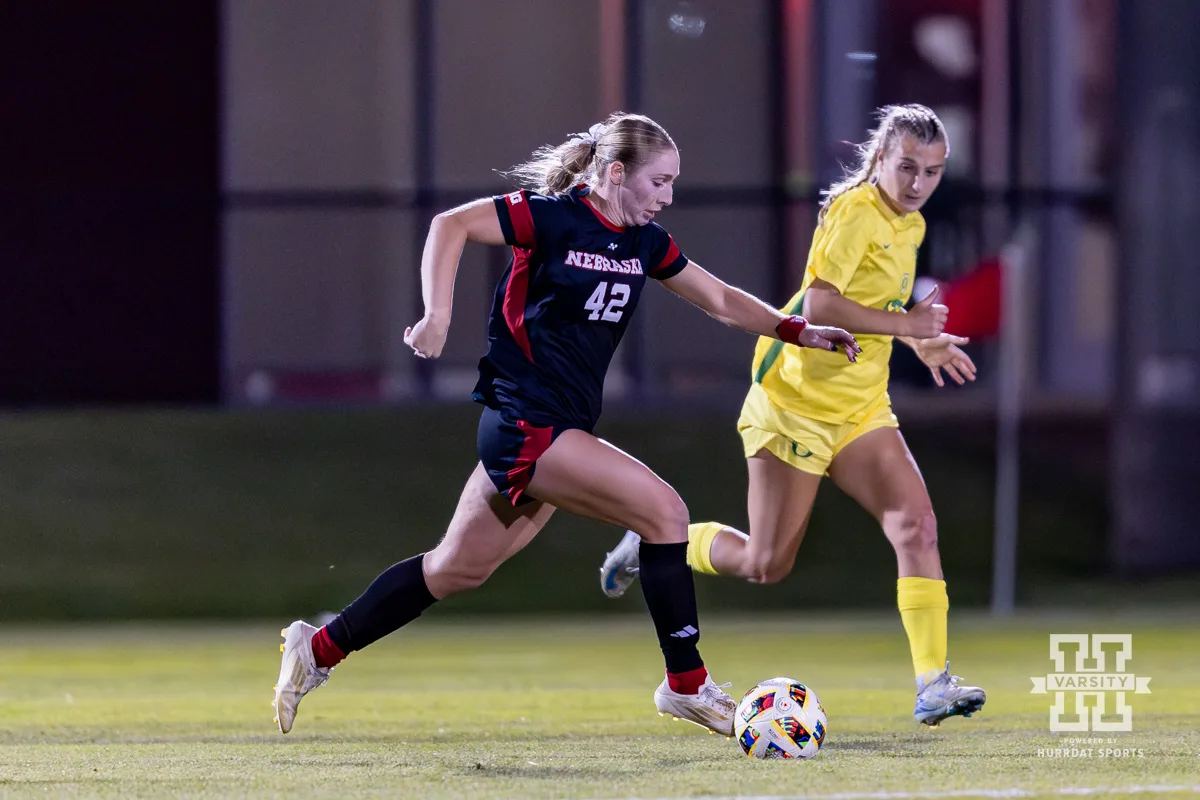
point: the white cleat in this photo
(298, 675)
(710, 708)
(942, 697)
(621, 566)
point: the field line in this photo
(1071, 791)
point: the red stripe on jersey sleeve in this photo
(522, 218)
(515, 295)
(672, 254)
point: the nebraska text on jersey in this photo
(595, 261)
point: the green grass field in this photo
(562, 708)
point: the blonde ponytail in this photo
(632, 139)
(868, 156)
(552, 170)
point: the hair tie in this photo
(594, 133)
(590, 137)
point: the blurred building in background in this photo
(344, 129)
(317, 141)
(224, 203)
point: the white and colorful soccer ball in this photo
(780, 718)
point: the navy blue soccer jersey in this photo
(563, 304)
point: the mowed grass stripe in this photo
(559, 709)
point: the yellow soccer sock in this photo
(923, 607)
(700, 542)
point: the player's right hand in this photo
(825, 337)
(427, 337)
(927, 318)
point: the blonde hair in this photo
(913, 119)
(632, 139)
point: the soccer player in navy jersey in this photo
(583, 245)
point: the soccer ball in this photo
(780, 718)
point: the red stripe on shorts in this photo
(537, 440)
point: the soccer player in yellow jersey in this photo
(811, 413)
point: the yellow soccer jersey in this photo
(869, 253)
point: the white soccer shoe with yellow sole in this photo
(298, 675)
(710, 708)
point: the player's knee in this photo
(446, 574)
(916, 531)
(464, 578)
(666, 517)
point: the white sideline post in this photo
(1013, 276)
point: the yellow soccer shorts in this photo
(809, 445)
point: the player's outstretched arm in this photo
(739, 309)
(448, 234)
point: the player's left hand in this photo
(942, 353)
(427, 337)
(827, 337)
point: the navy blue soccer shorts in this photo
(509, 449)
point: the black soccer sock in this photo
(670, 595)
(394, 599)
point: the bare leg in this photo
(780, 502)
(591, 477)
(486, 531)
(879, 472)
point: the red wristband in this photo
(790, 328)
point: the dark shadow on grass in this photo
(544, 773)
(873, 746)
